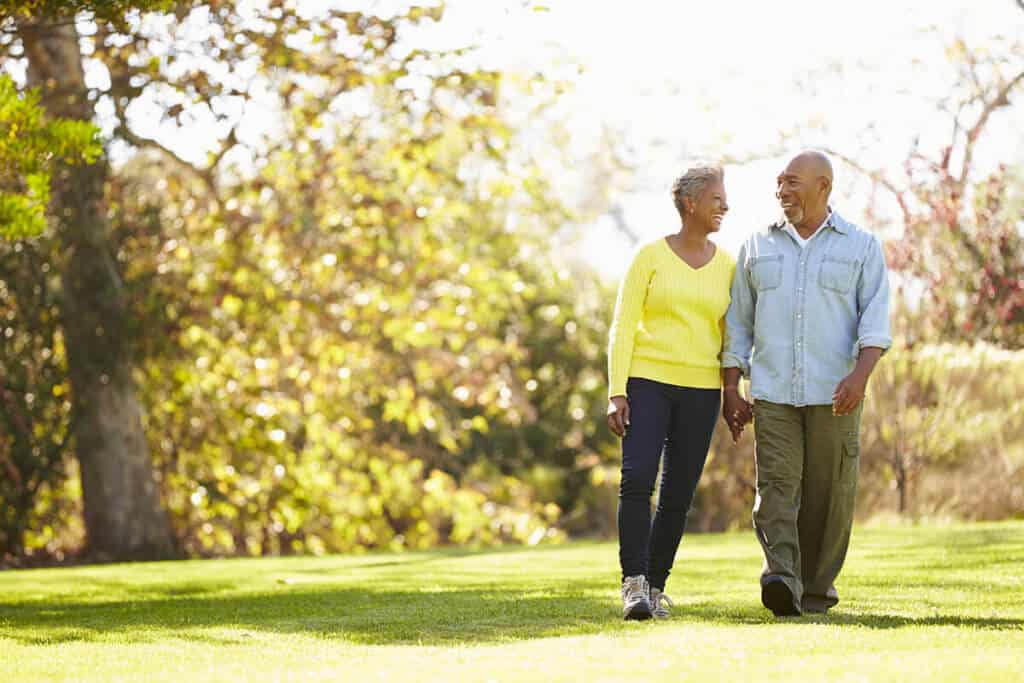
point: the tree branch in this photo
(619, 217)
(1000, 100)
(899, 194)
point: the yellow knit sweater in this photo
(669, 319)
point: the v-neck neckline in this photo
(714, 254)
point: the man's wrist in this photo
(861, 374)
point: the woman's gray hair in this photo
(692, 183)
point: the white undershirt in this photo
(800, 241)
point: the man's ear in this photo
(688, 205)
(826, 186)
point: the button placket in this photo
(798, 384)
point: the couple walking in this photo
(804, 315)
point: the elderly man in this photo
(808, 321)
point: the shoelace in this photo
(635, 590)
(657, 606)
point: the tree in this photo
(961, 239)
(123, 515)
(351, 338)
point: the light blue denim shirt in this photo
(800, 316)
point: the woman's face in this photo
(711, 206)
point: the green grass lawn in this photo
(918, 603)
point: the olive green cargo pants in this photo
(807, 466)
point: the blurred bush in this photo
(942, 435)
(367, 345)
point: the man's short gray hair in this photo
(692, 183)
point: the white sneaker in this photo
(636, 602)
(660, 604)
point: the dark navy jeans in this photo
(671, 426)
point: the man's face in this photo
(797, 191)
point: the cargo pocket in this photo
(850, 466)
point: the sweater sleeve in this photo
(629, 306)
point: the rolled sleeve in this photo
(739, 319)
(873, 302)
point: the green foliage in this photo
(30, 146)
(941, 435)
(35, 413)
(104, 10)
(365, 345)
(944, 431)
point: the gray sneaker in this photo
(660, 604)
(636, 602)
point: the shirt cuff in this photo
(877, 342)
(731, 360)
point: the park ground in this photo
(919, 603)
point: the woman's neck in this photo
(689, 236)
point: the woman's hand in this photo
(618, 414)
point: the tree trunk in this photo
(901, 483)
(124, 518)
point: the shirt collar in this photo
(832, 220)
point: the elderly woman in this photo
(665, 383)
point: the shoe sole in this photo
(638, 612)
(776, 597)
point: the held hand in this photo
(618, 415)
(737, 412)
(849, 393)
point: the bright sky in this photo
(677, 80)
(673, 81)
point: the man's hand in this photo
(849, 393)
(618, 414)
(736, 411)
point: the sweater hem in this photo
(680, 375)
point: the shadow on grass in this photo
(398, 617)
(375, 601)
(359, 615)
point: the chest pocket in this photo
(837, 274)
(766, 271)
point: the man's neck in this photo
(810, 224)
